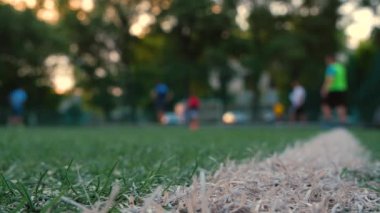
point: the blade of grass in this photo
(25, 194)
(53, 202)
(67, 179)
(42, 175)
(108, 180)
(97, 187)
(376, 189)
(146, 186)
(169, 185)
(151, 177)
(81, 181)
(194, 169)
(5, 182)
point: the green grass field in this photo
(40, 165)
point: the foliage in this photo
(365, 75)
(203, 38)
(26, 42)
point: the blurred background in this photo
(88, 62)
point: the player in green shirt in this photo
(334, 90)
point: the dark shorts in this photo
(160, 105)
(298, 111)
(193, 114)
(17, 111)
(334, 99)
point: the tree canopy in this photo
(119, 49)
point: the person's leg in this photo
(292, 114)
(194, 122)
(19, 120)
(326, 110)
(14, 119)
(160, 110)
(293, 118)
(342, 107)
(328, 104)
(342, 113)
(303, 117)
(160, 114)
(301, 114)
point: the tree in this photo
(26, 43)
(288, 45)
(200, 42)
(364, 77)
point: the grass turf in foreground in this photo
(40, 165)
(300, 179)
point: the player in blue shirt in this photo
(160, 95)
(17, 99)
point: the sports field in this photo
(40, 166)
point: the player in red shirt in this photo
(193, 104)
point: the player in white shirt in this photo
(297, 99)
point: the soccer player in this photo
(193, 104)
(161, 96)
(17, 99)
(297, 99)
(334, 90)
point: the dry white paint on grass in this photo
(304, 178)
